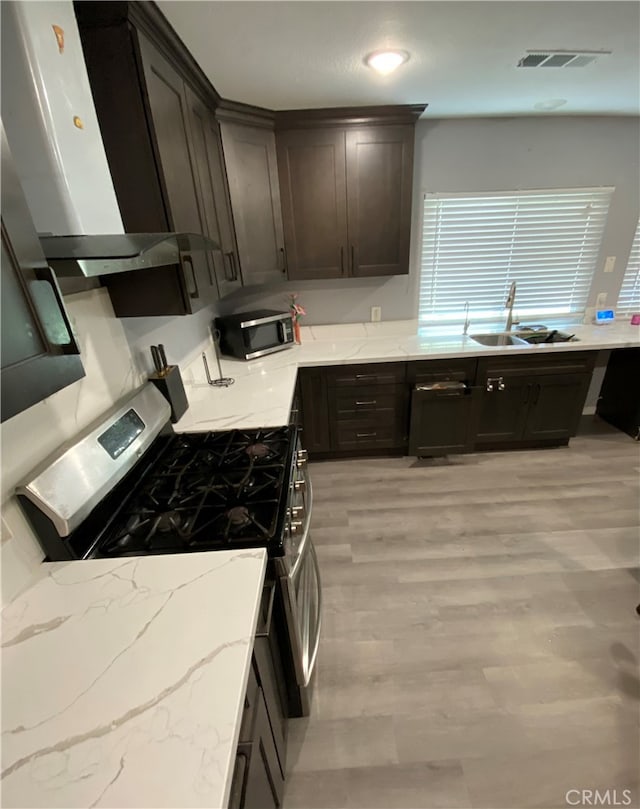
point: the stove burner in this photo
(258, 450)
(169, 521)
(238, 516)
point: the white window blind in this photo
(475, 245)
(629, 297)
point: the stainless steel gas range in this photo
(128, 485)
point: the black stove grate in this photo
(209, 491)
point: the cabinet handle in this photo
(209, 263)
(342, 260)
(55, 324)
(366, 435)
(365, 376)
(501, 385)
(526, 392)
(186, 259)
(490, 385)
(235, 264)
(263, 631)
(353, 260)
(228, 258)
(284, 261)
(372, 402)
(239, 777)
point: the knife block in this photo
(171, 387)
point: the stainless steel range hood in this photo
(91, 256)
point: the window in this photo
(629, 298)
(475, 245)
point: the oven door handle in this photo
(316, 641)
(306, 537)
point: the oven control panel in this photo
(122, 433)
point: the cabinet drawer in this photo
(363, 434)
(548, 363)
(379, 373)
(349, 404)
(453, 370)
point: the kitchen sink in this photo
(499, 339)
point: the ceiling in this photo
(299, 54)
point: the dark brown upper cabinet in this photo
(148, 131)
(170, 118)
(346, 181)
(314, 202)
(216, 200)
(250, 159)
(39, 353)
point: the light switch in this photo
(609, 263)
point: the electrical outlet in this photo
(376, 314)
(609, 263)
(601, 300)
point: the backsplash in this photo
(32, 435)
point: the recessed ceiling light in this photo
(386, 62)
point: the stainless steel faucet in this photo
(511, 297)
(466, 317)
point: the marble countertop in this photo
(123, 680)
(262, 393)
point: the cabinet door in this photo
(170, 114)
(311, 165)
(216, 202)
(503, 413)
(379, 181)
(252, 169)
(257, 770)
(555, 406)
(39, 353)
(315, 417)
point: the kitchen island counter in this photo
(123, 680)
(263, 390)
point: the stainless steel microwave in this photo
(248, 335)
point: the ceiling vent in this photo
(560, 58)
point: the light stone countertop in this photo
(263, 390)
(123, 680)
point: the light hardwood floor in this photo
(480, 644)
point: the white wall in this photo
(490, 154)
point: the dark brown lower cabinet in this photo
(368, 417)
(619, 400)
(257, 780)
(349, 409)
(314, 414)
(532, 399)
(258, 777)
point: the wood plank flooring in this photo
(480, 646)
